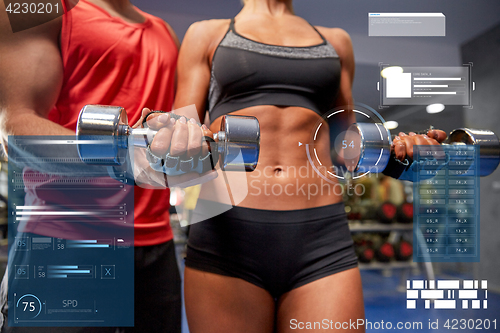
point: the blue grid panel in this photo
(446, 203)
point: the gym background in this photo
(380, 222)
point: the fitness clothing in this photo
(247, 73)
(111, 62)
(275, 250)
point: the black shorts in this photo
(275, 250)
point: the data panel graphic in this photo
(406, 24)
(446, 204)
(71, 238)
(405, 85)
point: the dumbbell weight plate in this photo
(489, 147)
(100, 140)
(368, 147)
(405, 212)
(239, 143)
(365, 253)
(403, 250)
(384, 252)
(387, 212)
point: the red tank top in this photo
(109, 61)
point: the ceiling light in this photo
(391, 124)
(391, 70)
(435, 108)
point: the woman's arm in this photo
(193, 66)
(193, 71)
(403, 144)
(341, 42)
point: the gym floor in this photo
(385, 300)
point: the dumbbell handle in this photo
(143, 137)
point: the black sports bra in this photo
(247, 73)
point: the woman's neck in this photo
(270, 7)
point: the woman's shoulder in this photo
(206, 35)
(333, 32)
(339, 38)
(207, 29)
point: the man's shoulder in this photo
(16, 27)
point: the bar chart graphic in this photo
(71, 238)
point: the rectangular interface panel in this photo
(406, 24)
(71, 238)
(404, 85)
(446, 204)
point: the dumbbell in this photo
(403, 250)
(386, 213)
(104, 137)
(371, 142)
(363, 247)
(405, 213)
(364, 251)
(384, 250)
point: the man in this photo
(99, 52)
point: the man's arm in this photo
(177, 43)
(31, 75)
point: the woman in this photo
(282, 256)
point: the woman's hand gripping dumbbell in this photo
(372, 150)
(176, 147)
(174, 137)
(402, 145)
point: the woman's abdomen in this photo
(284, 178)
